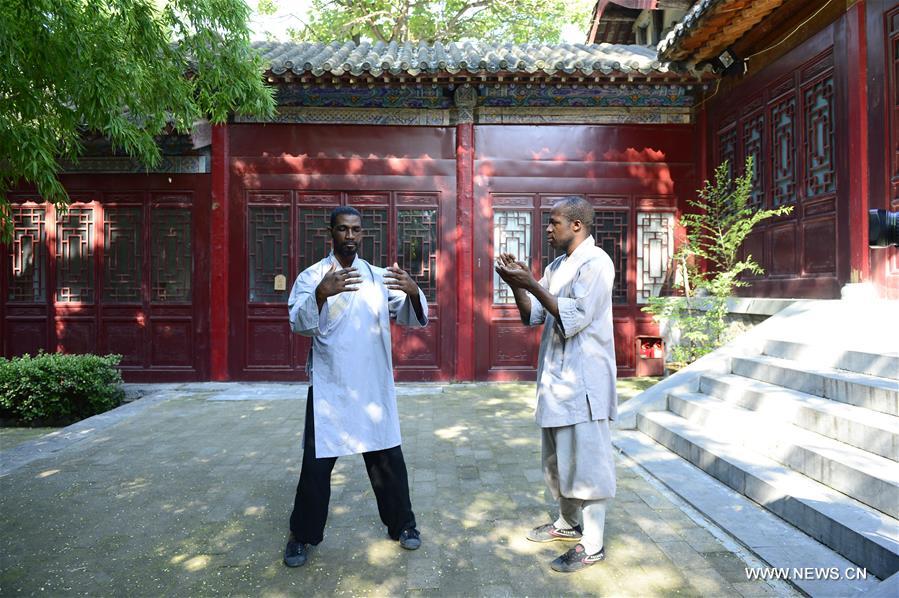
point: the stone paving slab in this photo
(184, 495)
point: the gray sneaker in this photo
(549, 533)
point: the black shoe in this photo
(549, 532)
(296, 553)
(576, 559)
(410, 539)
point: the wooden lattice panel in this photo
(783, 152)
(511, 234)
(416, 252)
(818, 108)
(753, 136)
(268, 253)
(123, 254)
(655, 246)
(376, 225)
(28, 253)
(75, 256)
(171, 257)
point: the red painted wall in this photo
(811, 252)
(288, 170)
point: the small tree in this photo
(723, 220)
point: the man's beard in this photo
(345, 251)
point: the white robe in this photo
(350, 364)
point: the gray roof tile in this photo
(413, 58)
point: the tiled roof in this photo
(464, 58)
(712, 25)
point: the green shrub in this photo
(722, 220)
(59, 388)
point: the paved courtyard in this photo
(186, 492)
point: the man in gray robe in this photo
(345, 304)
(576, 395)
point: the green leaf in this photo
(124, 68)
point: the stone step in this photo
(861, 390)
(860, 533)
(768, 536)
(866, 477)
(868, 430)
(883, 365)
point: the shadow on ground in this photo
(191, 497)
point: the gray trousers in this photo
(579, 468)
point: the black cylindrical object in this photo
(883, 228)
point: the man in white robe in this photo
(345, 304)
(576, 371)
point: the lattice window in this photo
(511, 234)
(268, 253)
(75, 256)
(820, 174)
(374, 242)
(123, 254)
(28, 270)
(610, 233)
(783, 152)
(655, 246)
(753, 132)
(547, 252)
(315, 238)
(416, 232)
(171, 263)
(727, 149)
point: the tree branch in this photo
(457, 18)
(400, 24)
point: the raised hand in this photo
(397, 279)
(515, 273)
(337, 281)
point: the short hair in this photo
(576, 208)
(341, 210)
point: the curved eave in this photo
(711, 26)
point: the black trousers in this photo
(386, 471)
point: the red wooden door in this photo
(629, 174)
(288, 232)
(637, 237)
(121, 271)
(509, 349)
(280, 208)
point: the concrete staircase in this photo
(811, 435)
